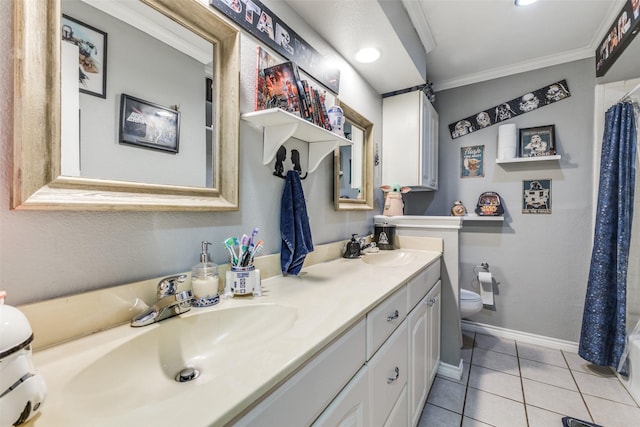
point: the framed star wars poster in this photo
(472, 161)
(538, 141)
(536, 196)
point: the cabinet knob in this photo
(395, 377)
(394, 316)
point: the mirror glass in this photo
(130, 115)
(112, 48)
(353, 164)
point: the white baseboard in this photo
(540, 340)
(450, 371)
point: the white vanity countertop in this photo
(327, 299)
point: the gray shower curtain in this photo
(602, 339)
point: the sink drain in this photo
(187, 374)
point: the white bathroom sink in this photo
(392, 258)
(144, 369)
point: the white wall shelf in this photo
(474, 217)
(529, 159)
(280, 125)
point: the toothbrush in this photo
(258, 246)
(244, 253)
(251, 247)
(253, 236)
(228, 243)
(236, 243)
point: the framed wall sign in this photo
(148, 125)
(92, 63)
(537, 141)
(472, 161)
(536, 196)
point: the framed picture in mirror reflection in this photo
(92, 55)
(148, 125)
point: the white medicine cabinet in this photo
(410, 141)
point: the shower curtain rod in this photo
(631, 92)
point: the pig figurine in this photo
(393, 205)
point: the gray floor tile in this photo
(470, 422)
(496, 382)
(554, 399)
(541, 354)
(447, 394)
(548, 374)
(577, 363)
(612, 414)
(501, 345)
(435, 416)
(542, 418)
(496, 361)
(606, 388)
(494, 410)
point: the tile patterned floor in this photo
(513, 384)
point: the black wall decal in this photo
(523, 104)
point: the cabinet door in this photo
(303, 397)
(388, 375)
(433, 315)
(401, 149)
(429, 145)
(399, 416)
(351, 407)
(419, 363)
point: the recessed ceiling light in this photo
(524, 2)
(367, 55)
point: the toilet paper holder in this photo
(482, 267)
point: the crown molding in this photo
(158, 26)
(520, 67)
(420, 22)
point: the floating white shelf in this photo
(280, 125)
(529, 159)
(474, 217)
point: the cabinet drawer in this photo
(388, 375)
(384, 319)
(302, 398)
(418, 287)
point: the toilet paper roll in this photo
(486, 287)
(507, 141)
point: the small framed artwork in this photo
(472, 161)
(148, 125)
(536, 196)
(538, 141)
(92, 48)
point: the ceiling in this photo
(466, 41)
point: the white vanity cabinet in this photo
(410, 141)
(304, 396)
(388, 374)
(377, 374)
(434, 304)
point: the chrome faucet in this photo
(169, 302)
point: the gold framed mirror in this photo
(353, 164)
(37, 179)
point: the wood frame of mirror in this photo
(366, 202)
(37, 183)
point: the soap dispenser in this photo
(353, 248)
(204, 281)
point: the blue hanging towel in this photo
(294, 226)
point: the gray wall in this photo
(49, 254)
(143, 67)
(541, 261)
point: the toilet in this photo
(470, 303)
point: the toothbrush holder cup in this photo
(242, 281)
